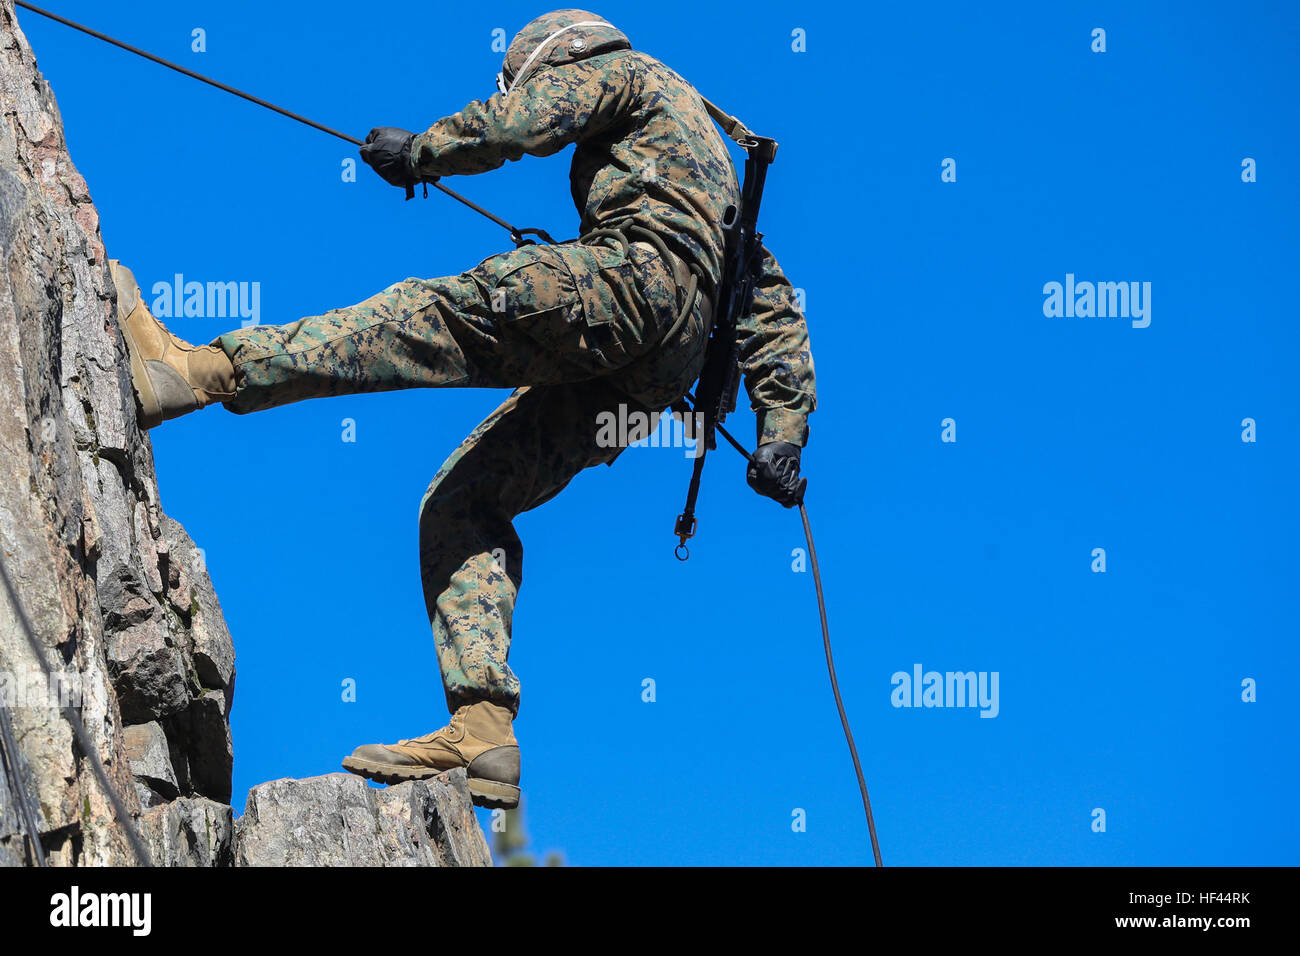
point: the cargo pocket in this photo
(528, 282)
(619, 325)
(526, 320)
(531, 293)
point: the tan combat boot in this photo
(478, 738)
(171, 377)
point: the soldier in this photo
(617, 319)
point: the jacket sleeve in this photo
(776, 360)
(556, 107)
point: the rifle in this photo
(715, 394)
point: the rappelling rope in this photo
(27, 812)
(735, 129)
(826, 643)
(78, 728)
(835, 684)
(515, 234)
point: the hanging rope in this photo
(516, 234)
(78, 728)
(835, 684)
(826, 643)
(734, 128)
(27, 812)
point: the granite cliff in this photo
(120, 605)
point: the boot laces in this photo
(457, 719)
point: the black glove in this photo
(774, 472)
(388, 151)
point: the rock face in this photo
(119, 601)
(337, 820)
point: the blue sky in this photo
(1119, 690)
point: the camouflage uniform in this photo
(575, 329)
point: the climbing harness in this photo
(718, 382)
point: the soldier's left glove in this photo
(774, 472)
(388, 151)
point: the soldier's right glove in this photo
(774, 472)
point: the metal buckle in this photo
(684, 529)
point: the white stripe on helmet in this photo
(523, 69)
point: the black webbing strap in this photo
(686, 521)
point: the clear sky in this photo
(1120, 691)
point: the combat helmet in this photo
(561, 36)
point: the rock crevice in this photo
(117, 593)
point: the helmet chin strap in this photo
(505, 87)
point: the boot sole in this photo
(485, 793)
(150, 408)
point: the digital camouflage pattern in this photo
(576, 329)
(537, 315)
(775, 358)
(471, 559)
(583, 348)
(645, 147)
(580, 35)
